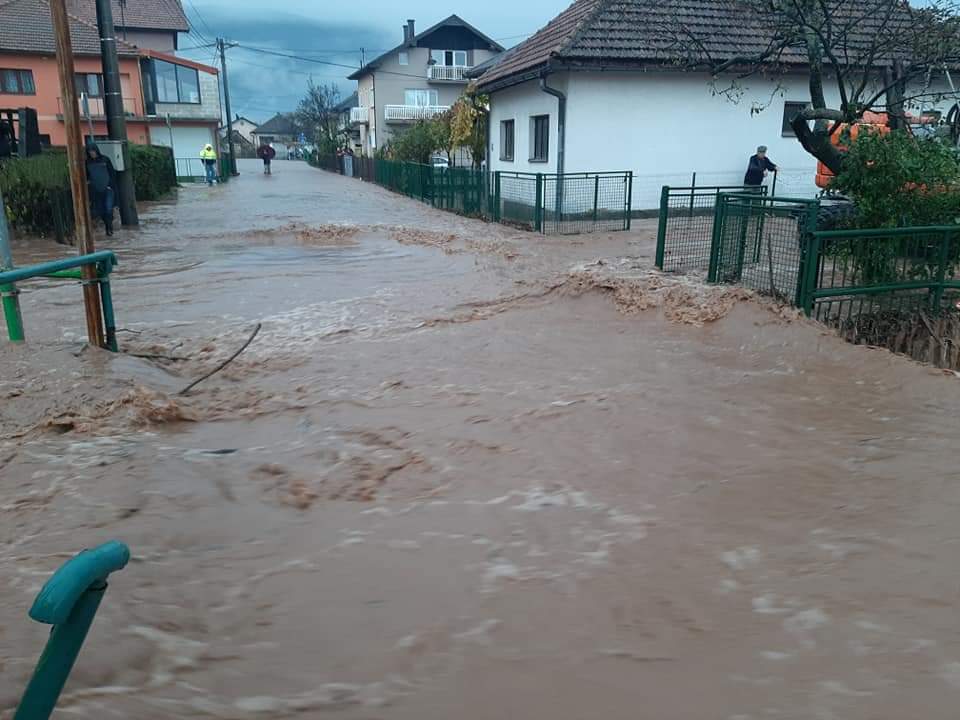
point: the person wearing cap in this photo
(757, 168)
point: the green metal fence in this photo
(858, 276)
(549, 203)
(761, 242)
(685, 229)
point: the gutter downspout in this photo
(561, 140)
(561, 120)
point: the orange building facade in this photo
(45, 98)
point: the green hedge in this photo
(36, 190)
(154, 172)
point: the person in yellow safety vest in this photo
(209, 157)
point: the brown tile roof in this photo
(25, 26)
(536, 51)
(634, 33)
(138, 14)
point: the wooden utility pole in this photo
(78, 172)
(221, 46)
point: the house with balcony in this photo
(419, 78)
(168, 100)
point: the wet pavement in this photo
(469, 472)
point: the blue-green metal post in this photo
(8, 292)
(629, 199)
(69, 602)
(109, 321)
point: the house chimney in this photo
(406, 36)
(411, 33)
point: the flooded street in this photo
(466, 472)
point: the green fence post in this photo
(596, 197)
(629, 199)
(662, 225)
(936, 295)
(693, 190)
(808, 274)
(109, 322)
(68, 601)
(496, 196)
(719, 219)
(538, 210)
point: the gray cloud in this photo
(327, 32)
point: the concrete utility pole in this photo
(78, 171)
(221, 46)
(116, 119)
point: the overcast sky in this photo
(331, 31)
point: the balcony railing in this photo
(411, 113)
(447, 73)
(97, 107)
(359, 115)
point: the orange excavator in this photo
(835, 209)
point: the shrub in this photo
(154, 171)
(898, 180)
(36, 192)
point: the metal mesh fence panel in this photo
(887, 272)
(685, 230)
(517, 199)
(586, 202)
(761, 243)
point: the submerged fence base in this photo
(897, 288)
(543, 202)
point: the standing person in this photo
(757, 168)
(209, 157)
(266, 153)
(101, 180)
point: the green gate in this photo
(761, 242)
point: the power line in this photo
(200, 18)
(322, 62)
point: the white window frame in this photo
(419, 94)
(403, 58)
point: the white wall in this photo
(520, 103)
(664, 126)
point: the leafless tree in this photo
(881, 55)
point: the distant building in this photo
(419, 78)
(168, 100)
(244, 127)
(351, 130)
(279, 132)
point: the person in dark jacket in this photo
(6, 140)
(757, 168)
(101, 181)
(266, 153)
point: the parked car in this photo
(439, 161)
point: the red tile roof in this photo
(138, 14)
(25, 26)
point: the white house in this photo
(597, 89)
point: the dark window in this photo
(45, 141)
(176, 83)
(540, 138)
(17, 82)
(790, 111)
(506, 140)
(89, 83)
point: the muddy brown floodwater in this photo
(468, 473)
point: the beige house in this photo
(420, 78)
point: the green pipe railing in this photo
(68, 602)
(67, 269)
